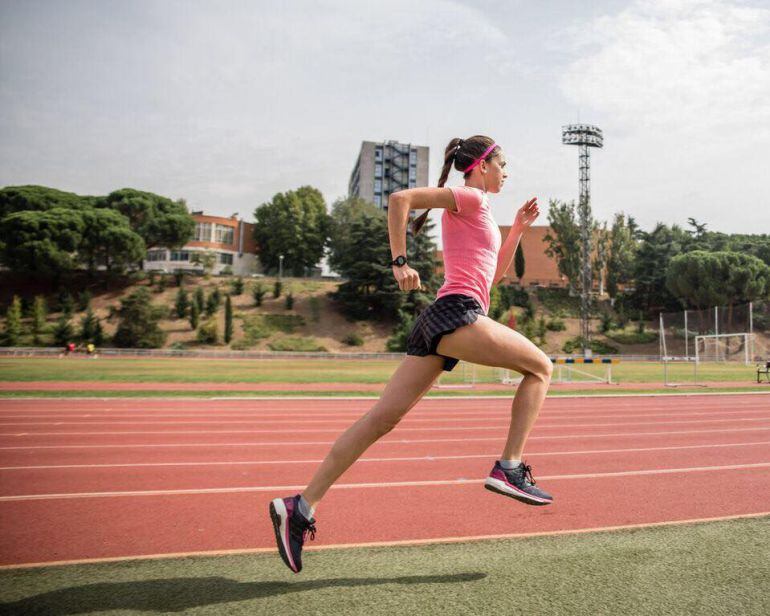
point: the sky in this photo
(227, 103)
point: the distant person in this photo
(90, 349)
(70, 348)
(455, 327)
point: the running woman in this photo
(455, 327)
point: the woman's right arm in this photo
(399, 206)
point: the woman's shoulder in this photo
(467, 198)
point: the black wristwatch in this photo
(399, 261)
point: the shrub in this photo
(13, 323)
(606, 322)
(237, 286)
(88, 326)
(555, 325)
(195, 314)
(296, 343)
(200, 299)
(66, 303)
(228, 320)
(277, 287)
(258, 292)
(38, 318)
(181, 304)
(207, 332)
(353, 339)
(634, 337)
(597, 346)
(289, 301)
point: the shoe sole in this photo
(279, 516)
(500, 487)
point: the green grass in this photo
(312, 371)
(705, 569)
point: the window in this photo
(156, 255)
(377, 200)
(203, 232)
(378, 170)
(378, 154)
(223, 234)
(377, 186)
(412, 173)
(225, 258)
(413, 157)
(179, 255)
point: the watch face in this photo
(400, 260)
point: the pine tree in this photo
(518, 262)
(200, 299)
(13, 322)
(62, 331)
(228, 320)
(195, 314)
(88, 326)
(182, 303)
(38, 318)
(98, 334)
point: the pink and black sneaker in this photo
(517, 483)
(290, 529)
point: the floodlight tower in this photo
(584, 136)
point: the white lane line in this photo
(409, 418)
(401, 428)
(426, 458)
(381, 441)
(389, 484)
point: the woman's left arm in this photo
(526, 215)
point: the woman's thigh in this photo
(413, 377)
(489, 343)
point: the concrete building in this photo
(384, 168)
(229, 240)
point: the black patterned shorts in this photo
(443, 316)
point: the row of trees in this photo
(50, 232)
(668, 268)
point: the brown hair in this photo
(461, 152)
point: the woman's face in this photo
(494, 172)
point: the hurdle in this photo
(565, 371)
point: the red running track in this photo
(89, 479)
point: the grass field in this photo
(705, 568)
(178, 370)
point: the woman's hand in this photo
(527, 214)
(407, 278)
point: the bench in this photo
(765, 371)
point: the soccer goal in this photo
(462, 377)
(724, 347)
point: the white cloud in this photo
(682, 90)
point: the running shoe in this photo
(517, 483)
(290, 527)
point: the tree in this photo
(13, 322)
(293, 224)
(258, 292)
(62, 331)
(213, 301)
(200, 299)
(564, 243)
(98, 338)
(622, 250)
(655, 251)
(138, 326)
(38, 198)
(519, 265)
(182, 303)
(237, 286)
(159, 221)
(228, 320)
(207, 260)
(108, 239)
(41, 242)
(697, 279)
(88, 326)
(194, 315)
(39, 313)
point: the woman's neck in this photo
(476, 183)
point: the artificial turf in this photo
(704, 569)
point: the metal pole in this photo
(751, 327)
(716, 331)
(686, 335)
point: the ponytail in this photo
(460, 153)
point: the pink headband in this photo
(482, 157)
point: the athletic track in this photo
(85, 479)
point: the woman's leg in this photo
(490, 343)
(411, 380)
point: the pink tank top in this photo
(471, 241)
